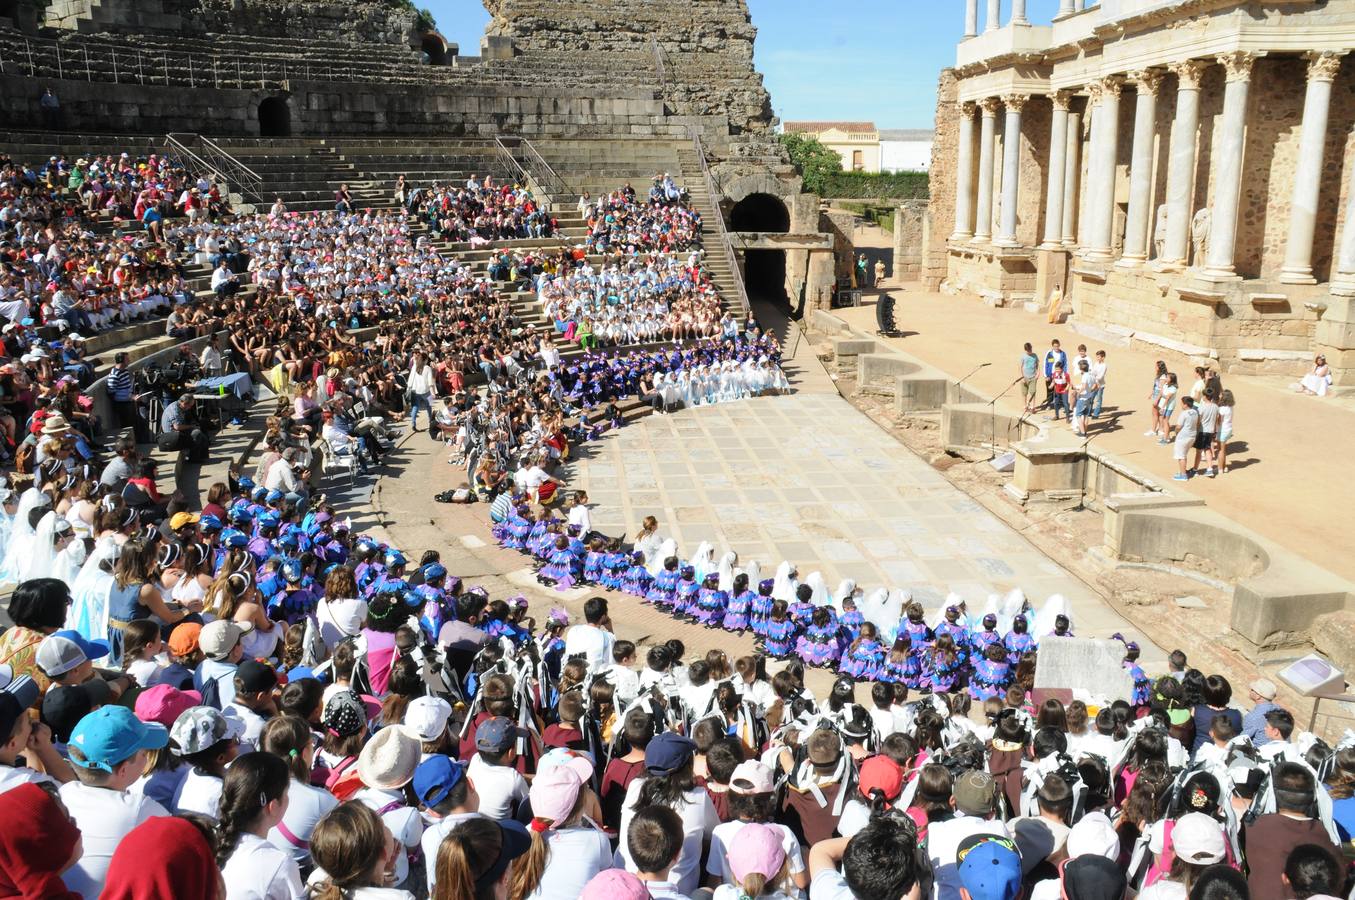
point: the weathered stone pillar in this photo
(983, 215)
(1011, 168)
(1065, 8)
(991, 23)
(1343, 278)
(1079, 5)
(1181, 163)
(1072, 174)
(1228, 182)
(1019, 13)
(1101, 208)
(964, 176)
(1298, 251)
(971, 18)
(1146, 84)
(1058, 155)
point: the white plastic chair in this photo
(335, 460)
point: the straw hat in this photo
(390, 758)
(55, 424)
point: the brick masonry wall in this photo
(941, 181)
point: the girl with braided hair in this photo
(253, 801)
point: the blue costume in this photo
(1143, 687)
(907, 670)
(564, 569)
(943, 672)
(761, 611)
(736, 611)
(663, 588)
(820, 645)
(851, 622)
(779, 639)
(684, 598)
(637, 580)
(710, 606)
(989, 679)
(862, 662)
(592, 566)
(1017, 645)
(980, 641)
(614, 566)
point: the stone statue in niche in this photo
(1160, 231)
(1119, 222)
(1199, 236)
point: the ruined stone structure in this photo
(674, 70)
(1181, 172)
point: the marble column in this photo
(1105, 139)
(1146, 84)
(971, 18)
(964, 177)
(1181, 162)
(1065, 9)
(1019, 13)
(1079, 5)
(1072, 174)
(1343, 275)
(1298, 251)
(1011, 169)
(983, 214)
(1058, 155)
(1228, 180)
(992, 23)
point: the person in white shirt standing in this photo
(108, 753)
(420, 389)
(1099, 367)
(594, 639)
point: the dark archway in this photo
(9, 9)
(764, 270)
(275, 117)
(434, 48)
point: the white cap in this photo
(1198, 839)
(427, 716)
(1093, 835)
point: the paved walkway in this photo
(1290, 470)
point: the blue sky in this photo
(846, 59)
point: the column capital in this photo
(1061, 99)
(1015, 102)
(1188, 73)
(1237, 65)
(966, 107)
(989, 106)
(1324, 64)
(1146, 81)
(1104, 88)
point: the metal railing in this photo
(508, 162)
(204, 157)
(660, 69)
(720, 233)
(544, 172)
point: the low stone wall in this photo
(970, 426)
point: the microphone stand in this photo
(992, 419)
(972, 371)
(1082, 488)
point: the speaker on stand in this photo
(884, 315)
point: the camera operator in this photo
(123, 400)
(179, 429)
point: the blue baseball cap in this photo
(246, 482)
(273, 496)
(434, 570)
(259, 492)
(113, 734)
(235, 539)
(435, 778)
(498, 734)
(210, 522)
(269, 519)
(668, 752)
(989, 867)
(395, 558)
(291, 570)
(62, 651)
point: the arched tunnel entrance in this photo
(275, 118)
(764, 270)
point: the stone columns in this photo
(1298, 251)
(1011, 169)
(1228, 182)
(983, 215)
(1065, 8)
(1079, 5)
(1105, 138)
(1181, 163)
(964, 177)
(1343, 276)
(991, 23)
(971, 18)
(1146, 84)
(1019, 13)
(1072, 174)
(1058, 155)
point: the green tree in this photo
(817, 163)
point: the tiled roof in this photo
(820, 127)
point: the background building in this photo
(858, 143)
(906, 149)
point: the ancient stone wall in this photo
(941, 181)
(706, 48)
(354, 21)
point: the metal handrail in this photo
(721, 234)
(556, 184)
(215, 161)
(659, 68)
(513, 167)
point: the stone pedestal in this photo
(1335, 338)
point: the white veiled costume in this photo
(726, 570)
(20, 544)
(784, 585)
(702, 561)
(1057, 605)
(89, 594)
(655, 563)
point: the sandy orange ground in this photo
(1291, 455)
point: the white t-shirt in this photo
(306, 805)
(1164, 890)
(855, 816)
(723, 836)
(943, 842)
(759, 693)
(403, 821)
(199, 793)
(105, 817)
(729, 892)
(698, 824)
(259, 871)
(626, 683)
(697, 698)
(576, 855)
(432, 838)
(17, 776)
(500, 787)
(253, 722)
(593, 642)
(830, 885)
(580, 516)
